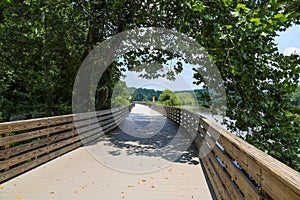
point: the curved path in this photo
(148, 157)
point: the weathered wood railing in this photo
(29, 143)
(235, 169)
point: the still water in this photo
(215, 118)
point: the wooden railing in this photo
(235, 168)
(29, 143)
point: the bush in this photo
(168, 98)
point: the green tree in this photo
(296, 97)
(258, 79)
(186, 98)
(168, 98)
(38, 57)
(120, 95)
(144, 94)
(203, 97)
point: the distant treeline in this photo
(185, 97)
(143, 94)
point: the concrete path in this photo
(146, 158)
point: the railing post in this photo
(6, 134)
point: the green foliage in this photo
(258, 80)
(168, 98)
(39, 56)
(120, 95)
(186, 98)
(119, 101)
(144, 94)
(203, 97)
(61, 109)
(296, 97)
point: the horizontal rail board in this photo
(33, 134)
(267, 171)
(8, 127)
(35, 153)
(29, 143)
(245, 185)
(22, 137)
(23, 168)
(99, 127)
(33, 145)
(225, 178)
(212, 179)
(222, 191)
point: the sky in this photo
(288, 42)
(184, 81)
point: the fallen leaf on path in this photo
(143, 180)
(51, 192)
(19, 197)
(153, 186)
(1, 186)
(130, 186)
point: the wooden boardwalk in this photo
(120, 165)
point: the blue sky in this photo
(288, 42)
(183, 81)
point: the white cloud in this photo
(291, 50)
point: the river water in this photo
(215, 118)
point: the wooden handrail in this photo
(28, 143)
(235, 168)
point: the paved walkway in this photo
(146, 158)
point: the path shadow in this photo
(170, 142)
